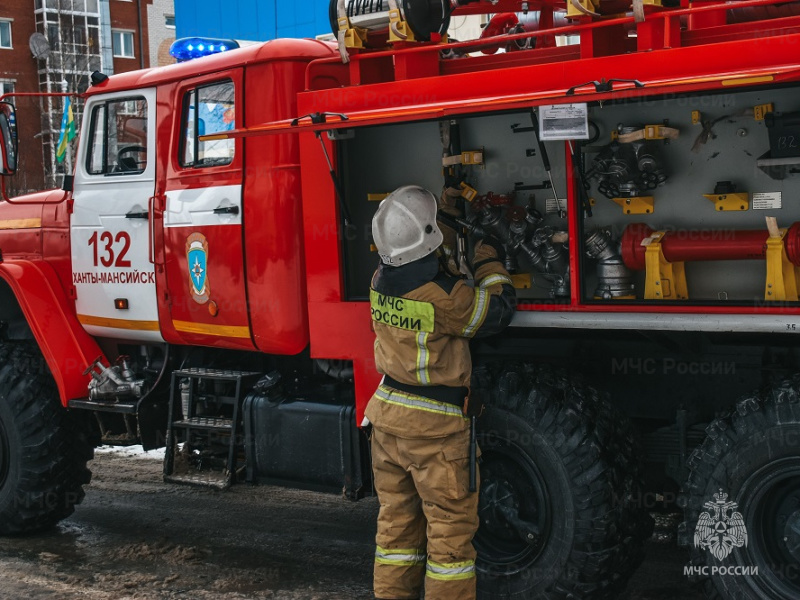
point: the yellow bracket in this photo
(656, 132)
(399, 31)
(581, 8)
(728, 202)
(760, 111)
(663, 280)
(470, 157)
(354, 37)
(638, 8)
(650, 132)
(376, 197)
(468, 193)
(521, 281)
(637, 205)
(697, 117)
(782, 275)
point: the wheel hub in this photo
(791, 534)
(501, 511)
(514, 509)
(771, 499)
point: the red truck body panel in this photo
(66, 347)
(280, 274)
(403, 95)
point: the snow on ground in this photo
(131, 451)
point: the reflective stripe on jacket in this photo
(423, 321)
(398, 398)
(423, 332)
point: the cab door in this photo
(110, 227)
(203, 213)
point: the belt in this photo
(440, 393)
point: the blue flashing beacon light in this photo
(195, 47)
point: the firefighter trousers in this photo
(427, 517)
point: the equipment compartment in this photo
(689, 177)
(711, 202)
(511, 183)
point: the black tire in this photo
(562, 458)
(753, 456)
(43, 448)
(341, 370)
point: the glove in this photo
(448, 202)
(453, 181)
(448, 207)
(487, 248)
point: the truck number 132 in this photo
(110, 250)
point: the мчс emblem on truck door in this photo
(197, 260)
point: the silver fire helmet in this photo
(404, 228)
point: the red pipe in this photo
(511, 23)
(713, 244)
(500, 24)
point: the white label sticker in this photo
(766, 200)
(552, 207)
(564, 122)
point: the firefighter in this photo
(423, 319)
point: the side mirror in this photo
(8, 139)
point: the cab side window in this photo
(118, 134)
(207, 110)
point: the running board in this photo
(126, 408)
(117, 421)
(214, 479)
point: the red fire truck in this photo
(201, 282)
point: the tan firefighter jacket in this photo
(423, 321)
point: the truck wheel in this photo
(750, 457)
(560, 502)
(43, 448)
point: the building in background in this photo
(161, 31)
(129, 39)
(18, 72)
(77, 37)
(55, 45)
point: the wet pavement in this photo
(135, 537)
